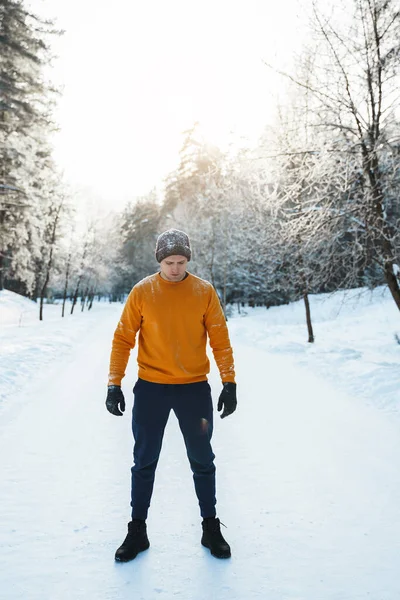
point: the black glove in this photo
(115, 397)
(227, 399)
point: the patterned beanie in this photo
(173, 242)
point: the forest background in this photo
(313, 206)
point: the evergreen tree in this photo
(25, 106)
(137, 232)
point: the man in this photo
(173, 311)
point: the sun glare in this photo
(165, 65)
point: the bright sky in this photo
(136, 73)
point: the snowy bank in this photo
(32, 349)
(355, 346)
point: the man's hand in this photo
(115, 398)
(227, 399)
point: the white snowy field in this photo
(308, 477)
(355, 349)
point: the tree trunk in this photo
(45, 284)
(49, 266)
(41, 308)
(83, 299)
(75, 296)
(392, 283)
(1, 271)
(224, 293)
(211, 267)
(308, 318)
(91, 298)
(386, 233)
(225, 268)
(66, 284)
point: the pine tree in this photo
(25, 105)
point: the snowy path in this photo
(309, 487)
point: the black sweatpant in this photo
(192, 404)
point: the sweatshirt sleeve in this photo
(124, 338)
(217, 330)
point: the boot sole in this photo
(214, 554)
(124, 560)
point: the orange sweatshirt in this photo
(173, 320)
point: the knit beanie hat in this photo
(173, 242)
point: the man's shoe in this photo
(212, 538)
(136, 541)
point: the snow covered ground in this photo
(355, 348)
(308, 478)
(30, 349)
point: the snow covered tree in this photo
(135, 234)
(223, 202)
(14, 237)
(354, 86)
(25, 107)
(197, 160)
(196, 201)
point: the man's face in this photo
(173, 268)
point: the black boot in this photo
(212, 538)
(136, 541)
